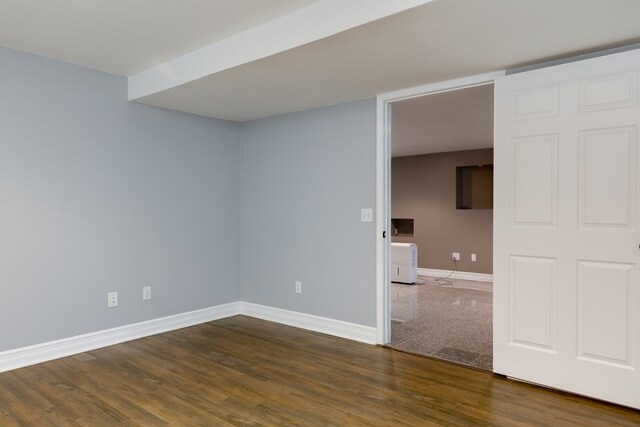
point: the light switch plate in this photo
(366, 215)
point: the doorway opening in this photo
(440, 207)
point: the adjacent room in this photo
(442, 202)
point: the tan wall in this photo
(424, 188)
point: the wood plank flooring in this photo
(243, 371)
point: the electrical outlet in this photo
(112, 299)
(298, 287)
(473, 257)
(146, 293)
(455, 256)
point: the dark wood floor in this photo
(243, 371)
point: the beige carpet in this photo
(448, 321)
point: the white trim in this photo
(383, 196)
(338, 328)
(449, 85)
(38, 353)
(383, 208)
(460, 275)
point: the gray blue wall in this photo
(100, 194)
(304, 178)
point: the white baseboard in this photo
(462, 275)
(38, 353)
(338, 328)
(25, 356)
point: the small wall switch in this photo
(112, 299)
(298, 287)
(366, 215)
(455, 256)
(473, 257)
(146, 293)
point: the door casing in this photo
(383, 184)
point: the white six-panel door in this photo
(566, 218)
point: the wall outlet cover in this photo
(112, 299)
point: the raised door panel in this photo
(533, 302)
(535, 103)
(534, 180)
(609, 92)
(606, 312)
(608, 178)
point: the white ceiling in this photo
(247, 59)
(438, 41)
(448, 121)
(124, 36)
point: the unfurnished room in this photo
(319, 212)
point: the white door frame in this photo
(383, 184)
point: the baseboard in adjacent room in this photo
(338, 328)
(461, 275)
(38, 353)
